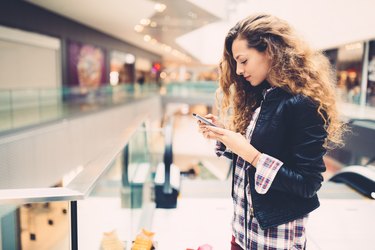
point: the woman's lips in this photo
(247, 78)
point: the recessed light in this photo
(129, 58)
(192, 15)
(138, 28)
(147, 38)
(159, 7)
(145, 21)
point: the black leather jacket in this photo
(289, 129)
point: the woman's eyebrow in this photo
(237, 56)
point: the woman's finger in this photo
(202, 130)
(208, 135)
(211, 117)
(201, 124)
(213, 136)
(217, 130)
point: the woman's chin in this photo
(254, 83)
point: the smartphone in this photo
(203, 120)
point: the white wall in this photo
(28, 60)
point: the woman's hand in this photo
(214, 119)
(203, 127)
(236, 142)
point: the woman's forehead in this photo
(239, 47)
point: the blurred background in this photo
(97, 141)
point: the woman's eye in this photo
(243, 62)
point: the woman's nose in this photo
(239, 70)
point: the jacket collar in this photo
(274, 93)
(266, 91)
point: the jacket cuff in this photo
(266, 170)
(220, 148)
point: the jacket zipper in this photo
(252, 213)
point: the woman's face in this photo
(251, 64)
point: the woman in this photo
(277, 98)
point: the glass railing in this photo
(121, 203)
(26, 107)
(21, 108)
(108, 202)
(203, 88)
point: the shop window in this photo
(349, 72)
(122, 69)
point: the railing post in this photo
(73, 225)
(168, 157)
(364, 82)
(125, 167)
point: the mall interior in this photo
(98, 145)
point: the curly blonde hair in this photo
(295, 67)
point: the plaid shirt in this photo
(287, 236)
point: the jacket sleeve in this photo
(301, 173)
(221, 149)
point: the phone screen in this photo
(203, 120)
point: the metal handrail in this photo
(353, 120)
(81, 186)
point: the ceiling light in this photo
(147, 38)
(192, 15)
(138, 28)
(153, 24)
(114, 78)
(163, 75)
(145, 21)
(129, 58)
(159, 7)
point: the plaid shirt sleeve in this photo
(266, 170)
(221, 149)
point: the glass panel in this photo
(50, 104)
(5, 110)
(24, 107)
(192, 88)
(114, 211)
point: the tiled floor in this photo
(342, 224)
(195, 222)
